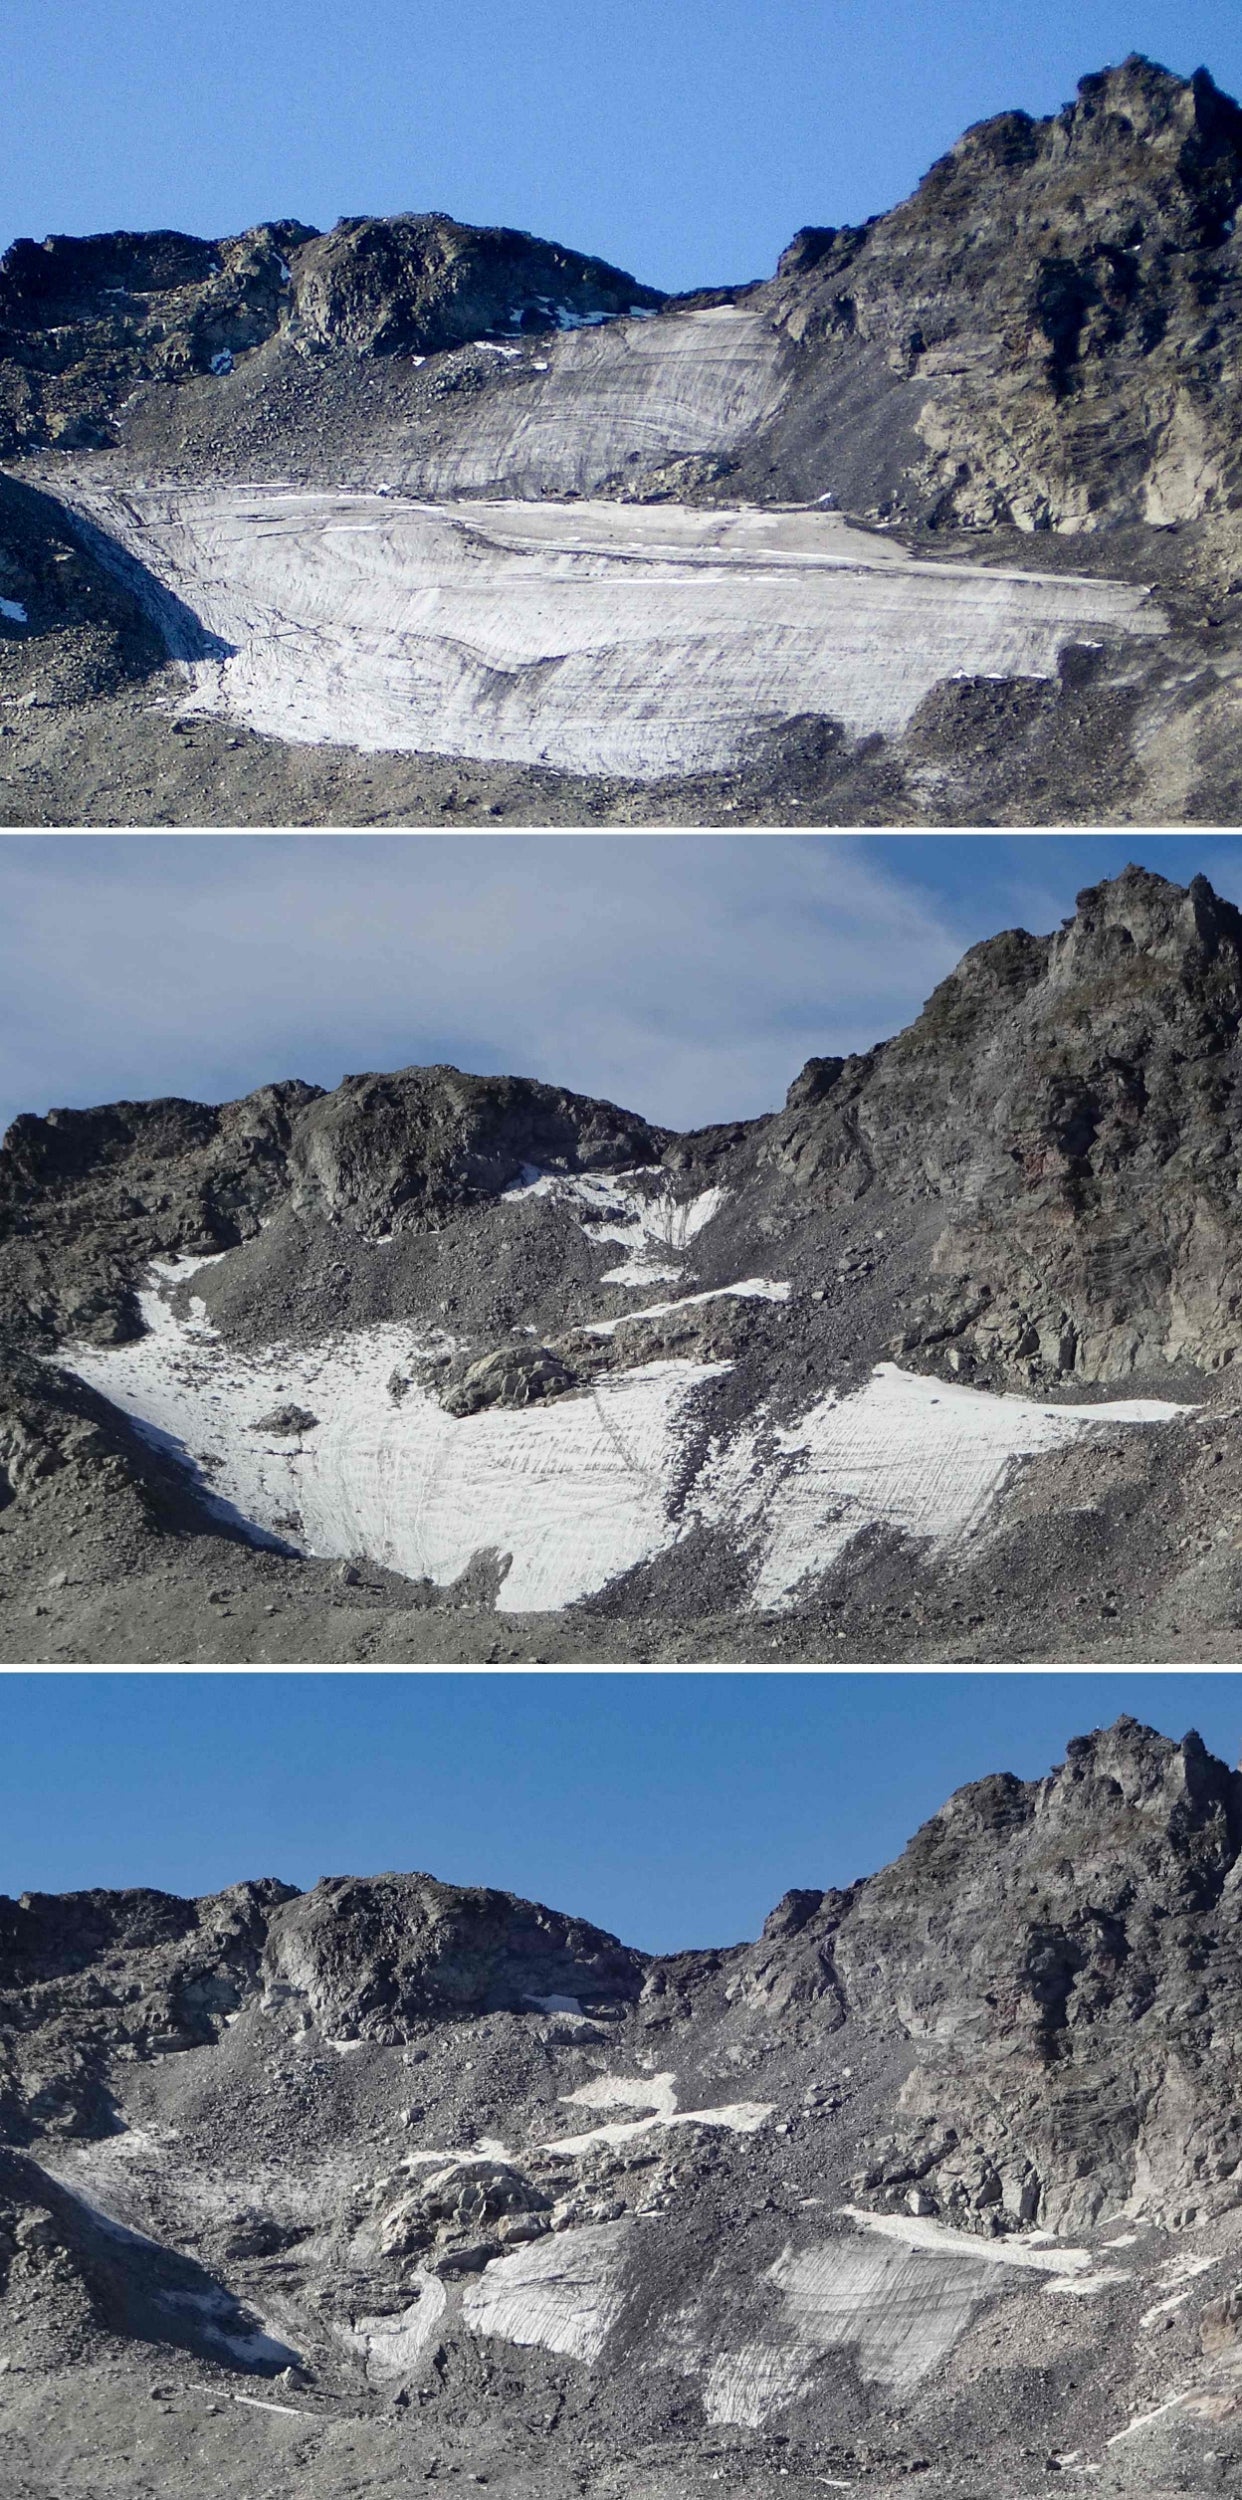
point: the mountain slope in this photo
(936, 1361)
(294, 444)
(399, 2181)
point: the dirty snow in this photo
(636, 639)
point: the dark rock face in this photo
(1067, 1953)
(84, 320)
(86, 1197)
(385, 286)
(1052, 318)
(377, 1959)
(1069, 1101)
(86, 1978)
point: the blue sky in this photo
(688, 976)
(687, 142)
(673, 1809)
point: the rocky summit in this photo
(397, 2184)
(939, 524)
(936, 1362)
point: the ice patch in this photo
(656, 2094)
(13, 609)
(616, 1206)
(594, 636)
(563, 2292)
(580, 1489)
(751, 1289)
(392, 2345)
(573, 1492)
(898, 2311)
(908, 1452)
(222, 361)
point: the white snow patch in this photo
(751, 1289)
(624, 1207)
(13, 609)
(555, 2005)
(595, 636)
(574, 1492)
(916, 2231)
(657, 2094)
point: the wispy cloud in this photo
(688, 976)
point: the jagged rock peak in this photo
(1188, 120)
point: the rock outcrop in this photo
(84, 321)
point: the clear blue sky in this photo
(686, 139)
(673, 1809)
(688, 976)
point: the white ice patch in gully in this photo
(575, 1492)
(905, 1451)
(651, 1226)
(564, 2292)
(633, 639)
(13, 609)
(751, 1289)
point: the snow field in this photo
(575, 1491)
(639, 640)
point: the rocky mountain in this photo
(934, 1362)
(395, 2183)
(939, 524)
